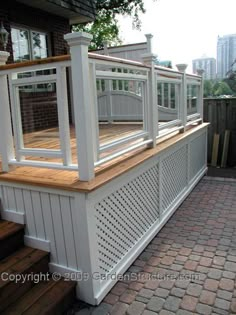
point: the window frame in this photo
(30, 31)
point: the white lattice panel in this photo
(197, 155)
(174, 176)
(124, 216)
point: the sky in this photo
(183, 29)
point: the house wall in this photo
(12, 12)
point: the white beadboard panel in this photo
(68, 232)
(58, 229)
(49, 227)
(29, 214)
(38, 215)
(48, 218)
(11, 198)
(19, 200)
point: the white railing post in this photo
(6, 138)
(200, 94)
(83, 102)
(152, 110)
(184, 98)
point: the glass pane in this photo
(20, 44)
(39, 45)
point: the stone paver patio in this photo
(190, 266)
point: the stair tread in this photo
(41, 298)
(11, 260)
(26, 259)
(9, 228)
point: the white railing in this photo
(161, 100)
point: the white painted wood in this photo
(70, 242)
(37, 243)
(19, 200)
(10, 198)
(38, 216)
(124, 140)
(183, 97)
(49, 227)
(53, 165)
(58, 229)
(30, 228)
(120, 75)
(6, 139)
(95, 122)
(41, 152)
(63, 115)
(122, 152)
(152, 113)
(16, 118)
(34, 80)
(78, 43)
(38, 67)
(70, 223)
(86, 246)
(13, 216)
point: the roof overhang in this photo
(76, 11)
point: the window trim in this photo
(31, 30)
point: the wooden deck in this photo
(68, 180)
(49, 138)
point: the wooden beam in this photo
(225, 149)
(215, 149)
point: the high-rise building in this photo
(206, 64)
(226, 54)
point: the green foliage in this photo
(213, 88)
(221, 88)
(231, 81)
(208, 88)
(105, 27)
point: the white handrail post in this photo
(183, 103)
(200, 95)
(6, 139)
(79, 43)
(152, 113)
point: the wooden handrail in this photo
(68, 57)
(35, 62)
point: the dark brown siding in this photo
(83, 7)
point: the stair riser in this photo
(61, 307)
(12, 291)
(11, 244)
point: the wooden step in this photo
(11, 237)
(47, 297)
(25, 261)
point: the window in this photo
(28, 44)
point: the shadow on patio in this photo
(190, 266)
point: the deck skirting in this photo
(96, 235)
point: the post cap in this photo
(182, 67)
(78, 38)
(200, 72)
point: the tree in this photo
(208, 88)
(105, 27)
(221, 88)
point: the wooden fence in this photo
(221, 113)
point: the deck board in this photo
(69, 180)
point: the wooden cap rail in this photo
(68, 57)
(35, 62)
